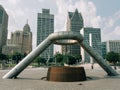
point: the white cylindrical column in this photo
(90, 42)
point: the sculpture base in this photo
(66, 74)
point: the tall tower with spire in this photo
(27, 39)
(74, 21)
(75, 24)
(21, 41)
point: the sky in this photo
(103, 14)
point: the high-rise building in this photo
(11, 48)
(75, 24)
(112, 46)
(21, 41)
(45, 26)
(14, 45)
(104, 51)
(3, 27)
(17, 37)
(27, 39)
(92, 36)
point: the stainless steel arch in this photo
(52, 38)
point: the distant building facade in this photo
(3, 27)
(45, 26)
(21, 41)
(104, 50)
(111, 46)
(92, 36)
(75, 24)
(8, 41)
(27, 39)
(11, 48)
(17, 37)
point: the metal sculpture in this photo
(59, 38)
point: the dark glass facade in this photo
(1, 15)
(45, 26)
(95, 39)
(3, 27)
(75, 24)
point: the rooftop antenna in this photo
(27, 21)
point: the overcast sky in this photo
(104, 14)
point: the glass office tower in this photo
(92, 36)
(45, 26)
(75, 24)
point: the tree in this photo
(69, 59)
(3, 57)
(17, 57)
(78, 57)
(112, 57)
(58, 57)
(119, 57)
(41, 60)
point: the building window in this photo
(1, 16)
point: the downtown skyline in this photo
(100, 14)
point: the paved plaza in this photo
(30, 79)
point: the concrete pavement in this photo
(30, 79)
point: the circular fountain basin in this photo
(66, 74)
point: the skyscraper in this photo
(45, 26)
(111, 46)
(75, 24)
(3, 27)
(14, 45)
(16, 37)
(21, 41)
(92, 36)
(104, 49)
(27, 39)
